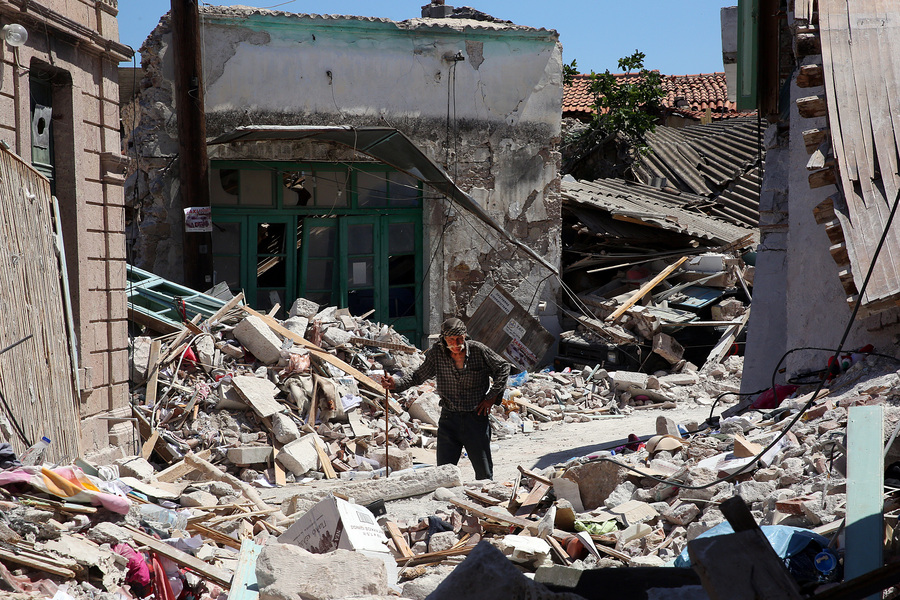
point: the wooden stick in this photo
(387, 429)
(645, 288)
(219, 475)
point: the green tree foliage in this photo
(629, 107)
(569, 71)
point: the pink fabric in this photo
(138, 571)
(69, 483)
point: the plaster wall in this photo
(492, 119)
(89, 178)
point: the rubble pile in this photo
(272, 460)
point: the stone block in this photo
(326, 315)
(284, 429)
(596, 481)
(667, 426)
(249, 455)
(299, 456)
(258, 339)
(303, 308)
(105, 532)
(397, 459)
(297, 325)
(288, 572)
(620, 495)
(426, 408)
(140, 357)
(442, 540)
(336, 337)
(755, 491)
(206, 352)
(198, 498)
(259, 393)
(681, 514)
(668, 347)
(135, 466)
(625, 380)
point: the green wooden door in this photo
(272, 265)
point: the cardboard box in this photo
(334, 523)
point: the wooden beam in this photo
(813, 138)
(179, 470)
(244, 585)
(812, 107)
(153, 372)
(399, 541)
(533, 499)
(825, 177)
(487, 513)
(200, 568)
(47, 565)
(318, 352)
(863, 550)
(646, 288)
(810, 76)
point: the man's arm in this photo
(426, 371)
(499, 374)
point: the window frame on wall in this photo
(307, 195)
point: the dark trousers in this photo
(469, 430)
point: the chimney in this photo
(436, 10)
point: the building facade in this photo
(296, 218)
(59, 107)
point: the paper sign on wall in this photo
(198, 219)
(500, 300)
(514, 330)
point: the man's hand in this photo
(386, 381)
(484, 407)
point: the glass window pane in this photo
(266, 299)
(296, 189)
(320, 298)
(360, 301)
(271, 272)
(401, 238)
(330, 188)
(223, 187)
(319, 275)
(404, 190)
(226, 238)
(360, 272)
(256, 188)
(270, 238)
(401, 302)
(402, 270)
(322, 241)
(371, 189)
(227, 269)
(361, 239)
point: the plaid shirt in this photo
(483, 375)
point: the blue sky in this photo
(678, 39)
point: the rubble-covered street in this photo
(265, 471)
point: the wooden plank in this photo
(811, 107)
(244, 585)
(200, 568)
(483, 498)
(327, 467)
(865, 488)
(175, 346)
(280, 475)
(146, 431)
(225, 309)
(533, 475)
(726, 341)
(487, 513)
(542, 413)
(147, 448)
(533, 499)
(810, 76)
(399, 541)
(433, 557)
(318, 352)
(153, 370)
(180, 469)
(561, 555)
(47, 565)
(645, 288)
(384, 345)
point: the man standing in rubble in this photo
(470, 379)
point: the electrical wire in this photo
(815, 393)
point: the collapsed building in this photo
(332, 218)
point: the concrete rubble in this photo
(236, 453)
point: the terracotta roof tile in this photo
(688, 95)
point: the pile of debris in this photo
(272, 461)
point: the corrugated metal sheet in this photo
(709, 160)
(677, 212)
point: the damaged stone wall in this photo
(482, 99)
(798, 298)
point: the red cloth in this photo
(161, 588)
(138, 571)
(767, 399)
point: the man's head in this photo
(453, 331)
